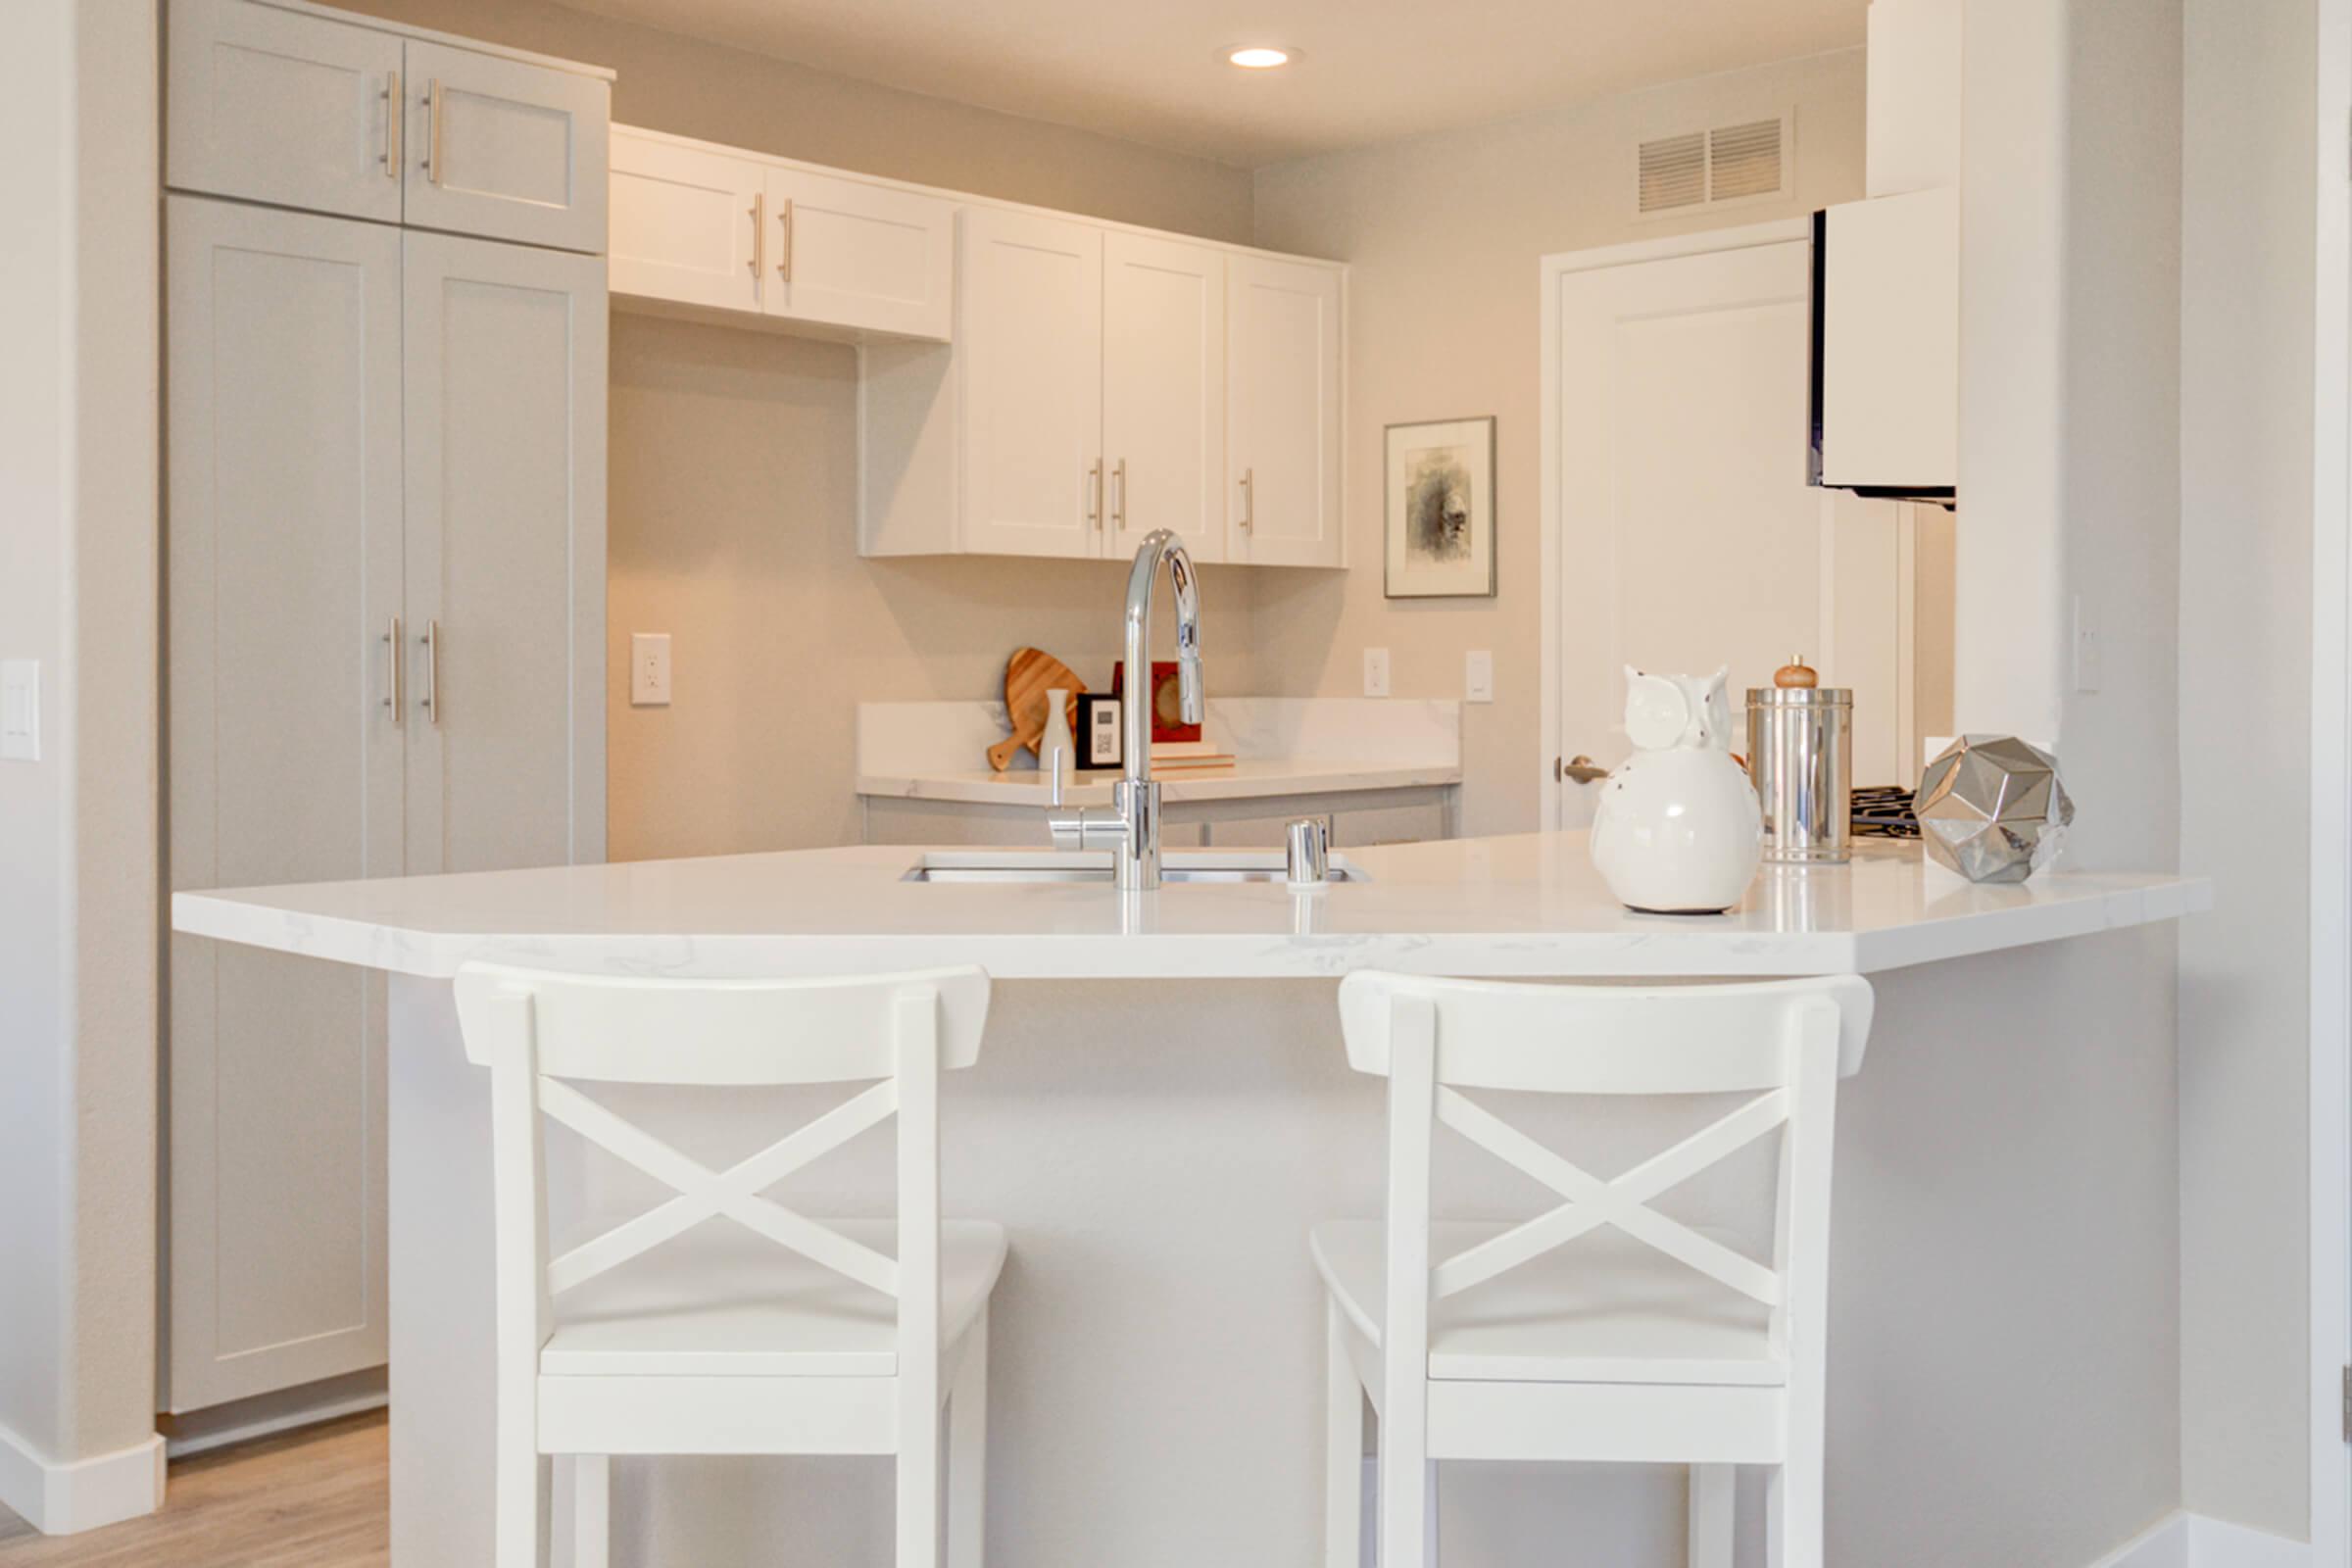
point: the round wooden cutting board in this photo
(1028, 675)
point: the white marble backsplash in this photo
(914, 739)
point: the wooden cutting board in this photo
(1028, 675)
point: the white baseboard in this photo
(65, 1499)
(2191, 1541)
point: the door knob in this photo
(1580, 768)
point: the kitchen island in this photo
(1162, 1108)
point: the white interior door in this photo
(1685, 535)
(505, 389)
(1031, 354)
(1163, 391)
(283, 482)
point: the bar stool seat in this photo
(1604, 1310)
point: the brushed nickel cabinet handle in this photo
(758, 237)
(396, 109)
(1118, 496)
(784, 266)
(396, 658)
(1093, 494)
(1249, 498)
(433, 131)
(432, 670)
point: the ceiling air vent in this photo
(1742, 162)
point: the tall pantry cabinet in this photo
(386, 554)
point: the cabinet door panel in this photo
(1283, 412)
(285, 489)
(1031, 386)
(278, 107)
(1163, 391)
(684, 224)
(505, 391)
(507, 150)
(844, 252)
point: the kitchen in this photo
(753, 490)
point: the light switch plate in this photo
(19, 710)
(1376, 672)
(648, 669)
(1478, 675)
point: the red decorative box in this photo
(1168, 704)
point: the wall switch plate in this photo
(1376, 672)
(19, 710)
(1478, 675)
(648, 669)
(2089, 657)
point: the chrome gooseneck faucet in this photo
(1131, 831)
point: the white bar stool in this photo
(722, 1343)
(1655, 1343)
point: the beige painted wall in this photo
(2245, 630)
(733, 506)
(1443, 234)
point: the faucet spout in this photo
(1138, 853)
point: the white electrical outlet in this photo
(648, 669)
(20, 710)
(1478, 675)
(1376, 672)
(2089, 659)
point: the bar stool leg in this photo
(967, 1452)
(591, 1510)
(1343, 1449)
(1713, 1489)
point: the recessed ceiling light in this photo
(1259, 57)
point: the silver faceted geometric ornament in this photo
(1991, 808)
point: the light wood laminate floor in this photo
(315, 1498)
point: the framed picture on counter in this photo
(1098, 731)
(1440, 510)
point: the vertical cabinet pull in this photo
(432, 670)
(759, 238)
(1118, 496)
(1093, 494)
(396, 109)
(1249, 498)
(433, 131)
(396, 658)
(784, 266)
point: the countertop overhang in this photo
(1527, 906)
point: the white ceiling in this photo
(1150, 70)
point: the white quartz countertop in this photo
(1249, 778)
(1524, 905)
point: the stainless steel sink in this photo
(1084, 867)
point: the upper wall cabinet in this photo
(281, 107)
(306, 110)
(507, 150)
(708, 229)
(1163, 392)
(1283, 413)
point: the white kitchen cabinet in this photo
(1886, 380)
(1163, 391)
(504, 149)
(505, 528)
(1030, 387)
(686, 222)
(283, 107)
(1284, 328)
(847, 253)
(286, 763)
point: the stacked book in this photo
(1174, 759)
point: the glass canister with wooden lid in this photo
(1800, 758)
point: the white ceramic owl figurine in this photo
(1679, 830)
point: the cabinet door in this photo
(1031, 384)
(1163, 391)
(280, 107)
(685, 224)
(285, 489)
(505, 150)
(505, 498)
(1283, 413)
(844, 252)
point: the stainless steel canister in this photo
(1800, 758)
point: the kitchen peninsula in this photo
(1162, 1108)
